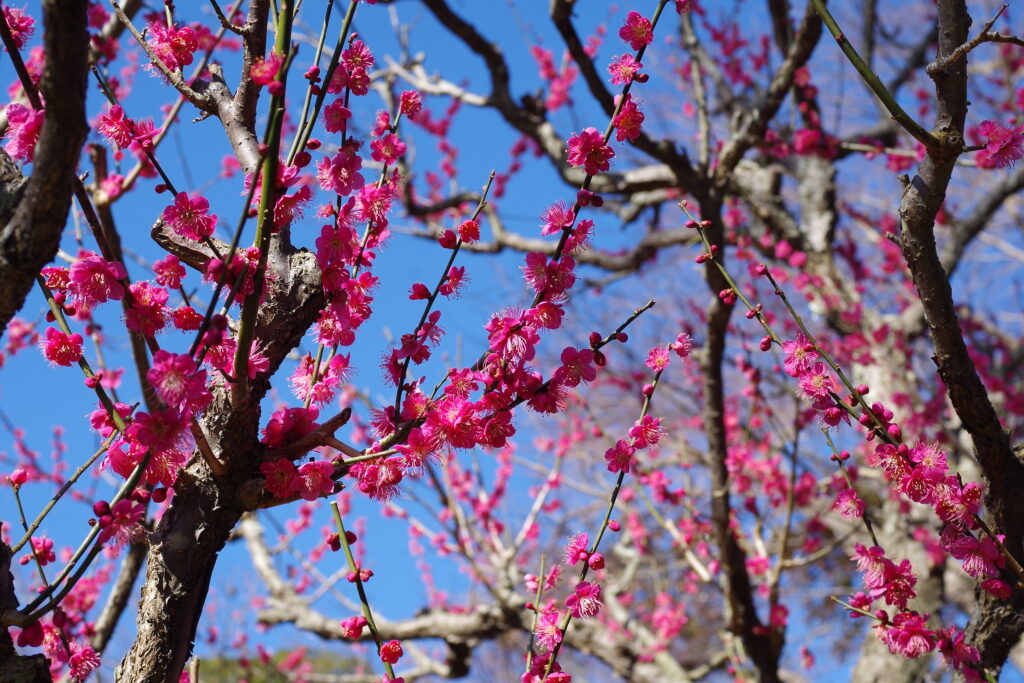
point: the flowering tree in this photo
(705, 492)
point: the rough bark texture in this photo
(997, 624)
(186, 543)
(30, 238)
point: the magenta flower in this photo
(908, 635)
(280, 476)
(116, 127)
(628, 121)
(62, 349)
(336, 116)
(178, 382)
(547, 631)
(586, 601)
(23, 128)
(1005, 146)
(290, 424)
(637, 31)
(576, 549)
(148, 313)
(190, 217)
(22, 25)
(94, 280)
(587, 149)
(314, 479)
(624, 69)
(577, 366)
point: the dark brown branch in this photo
(29, 240)
(997, 624)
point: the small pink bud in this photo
(614, 525)
(18, 477)
(596, 561)
(595, 339)
(766, 343)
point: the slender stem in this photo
(891, 105)
(354, 570)
(60, 493)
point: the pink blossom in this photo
(556, 218)
(588, 149)
(23, 128)
(628, 121)
(380, 479)
(94, 280)
(172, 45)
(646, 432)
(82, 662)
(848, 504)
(263, 71)
(116, 127)
(657, 359)
(411, 103)
(980, 556)
(816, 382)
(547, 631)
(576, 549)
(619, 457)
(454, 282)
(169, 271)
(314, 479)
(585, 602)
(280, 477)
(62, 349)
(577, 366)
(388, 149)
(290, 424)
(391, 651)
(637, 31)
(148, 312)
(21, 24)
(178, 382)
(123, 525)
(908, 635)
(336, 116)
(190, 217)
(1005, 146)
(683, 345)
(955, 651)
(624, 69)
(800, 354)
(352, 627)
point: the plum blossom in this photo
(585, 602)
(588, 149)
(190, 217)
(1005, 146)
(637, 31)
(23, 128)
(314, 479)
(624, 69)
(60, 348)
(178, 382)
